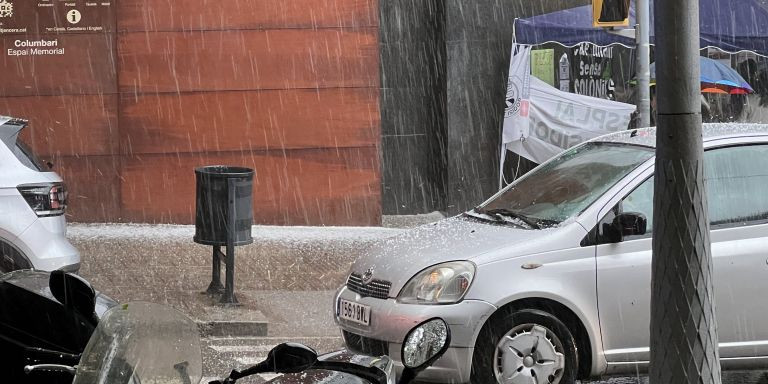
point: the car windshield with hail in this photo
(566, 185)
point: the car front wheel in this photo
(525, 346)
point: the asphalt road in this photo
(306, 317)
(220, 355)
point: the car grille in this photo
(376, 288)
(365, 345)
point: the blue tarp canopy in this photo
(731, 25)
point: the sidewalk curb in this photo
(213, 328)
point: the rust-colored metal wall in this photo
(287, 87)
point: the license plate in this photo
(354, 312)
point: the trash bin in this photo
(224, 205)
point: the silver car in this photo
(546, 282)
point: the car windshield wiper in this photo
(512, 214)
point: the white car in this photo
(33, 200)
(550, 279)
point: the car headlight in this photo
(444, 283)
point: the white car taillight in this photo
(47, 199)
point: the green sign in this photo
(543, 65)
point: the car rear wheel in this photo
(525, 346)
(11, 258)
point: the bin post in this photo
(216, 287)
(229, 285)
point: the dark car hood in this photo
(33, 281)
(37, 282)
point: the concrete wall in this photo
(478, 39)
(413, 101)
(477, 36)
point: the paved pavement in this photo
(297, 316)
(285, 280)
(161, 263)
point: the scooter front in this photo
(137, 343)
(142, 343)
(300, 364)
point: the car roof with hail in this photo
(647, 136)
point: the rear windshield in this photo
(24, 153)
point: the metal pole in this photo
(684, 346)
(215, 287)
(229, 284)
(642, 37)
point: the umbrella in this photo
(716, 77)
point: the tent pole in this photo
(642, 38)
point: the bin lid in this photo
(224, 170)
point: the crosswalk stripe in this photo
(241, 348)
(283, 338)
(264, 376)
(269, 376)
(250, 360)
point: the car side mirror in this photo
(624, 224)
(74, 293)
(423, 345)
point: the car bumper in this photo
(46, 246)
(390, 321)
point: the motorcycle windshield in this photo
(142, 343)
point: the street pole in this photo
(683, 328)
(642, 39)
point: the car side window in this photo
(737, 190)
(640, 201)
(737, 181)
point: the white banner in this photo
(545, 121)
(518, 93)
